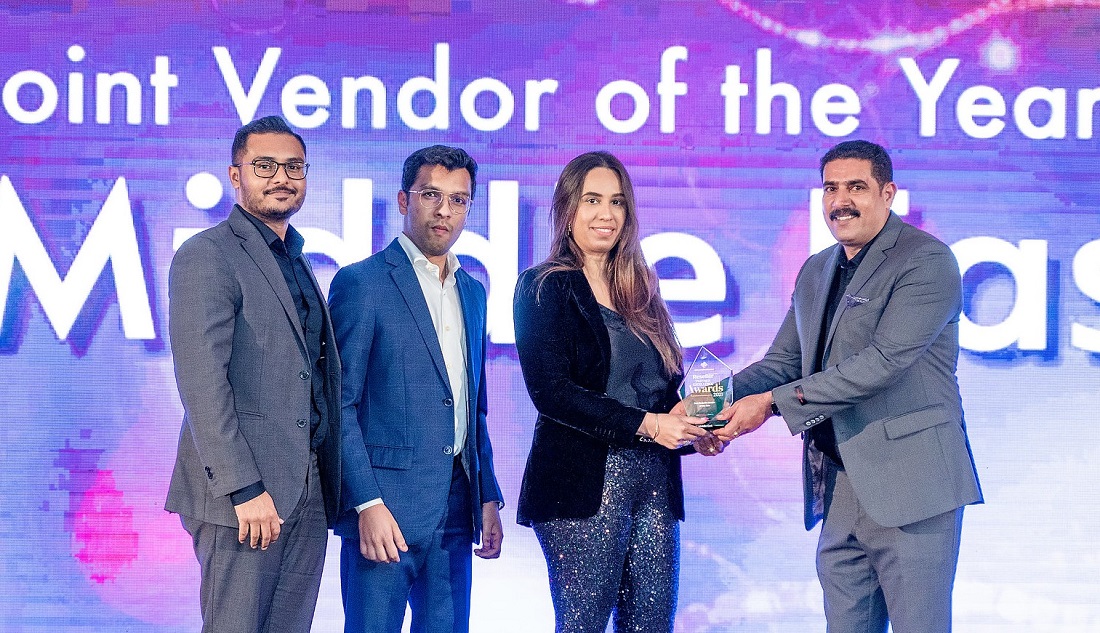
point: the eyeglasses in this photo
(432, 199)
(266, 168)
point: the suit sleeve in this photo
(925, 298)
(353, 327)
(783, 361)
(204, 298)
(490, 489)
(548, 349)
(780, 365)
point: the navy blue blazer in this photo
(565, 353)
(398, 409)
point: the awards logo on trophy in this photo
(706, 388)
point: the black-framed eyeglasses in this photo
(432, 199)
(266, 168)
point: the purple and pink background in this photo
(115, 125)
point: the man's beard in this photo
(272, 211)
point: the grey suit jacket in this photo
(890, 386)
(243, 374)
(398, 407)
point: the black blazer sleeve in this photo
(564, 352)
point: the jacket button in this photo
(304, 375)
(209, 473)
(301, 424)
(448, 449)
(448, 402)
(809, 422)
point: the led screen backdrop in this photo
(115, 125)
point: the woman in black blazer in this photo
(602, 485)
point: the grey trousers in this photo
(245, 590)
(873, 575)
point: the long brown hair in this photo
(632, 284)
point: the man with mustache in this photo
(863, 367)
(419, 483)
(257, 475)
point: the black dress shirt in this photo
(307, 302)
(824, 436)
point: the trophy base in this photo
(712, 425)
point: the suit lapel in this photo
(590, 308)
(821, 299)
(874, 258)
(877, 255)
(404, 277)
(473, 323)
(260, 253)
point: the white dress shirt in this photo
(450, 328)
(446, 311)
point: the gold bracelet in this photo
(642, 433)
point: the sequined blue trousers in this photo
(625, 559)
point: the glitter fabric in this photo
(624, 559)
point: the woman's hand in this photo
(671, 431)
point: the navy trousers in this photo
(433, 577)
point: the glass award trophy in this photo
(707, 388)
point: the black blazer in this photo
(565, 353)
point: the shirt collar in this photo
(419, 259)
(853, 263)
(292, 245)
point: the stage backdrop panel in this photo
(116, 119)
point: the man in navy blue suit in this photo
(418, 477)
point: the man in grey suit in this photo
(863, 367)
(257, 475)
(418, 478)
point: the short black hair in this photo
(451, 158)
(882, 169)
(267, 125)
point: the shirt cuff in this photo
(248, 493)
(363, 506)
